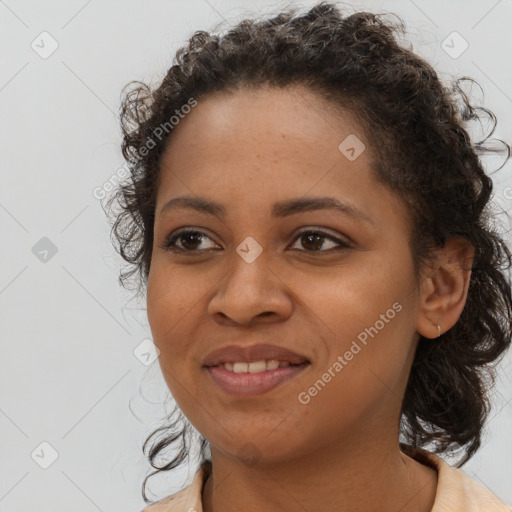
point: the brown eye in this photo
(190, 240)
(186, 240)
(314, 240)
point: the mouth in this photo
(251, 371)
(255, 367)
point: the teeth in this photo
(272, 365)
(256, 366)
(240, 367)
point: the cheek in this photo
(176, 302)
(173, 293)
(352, 296)
(170, 300)
(368, 316)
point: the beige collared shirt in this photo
(456, 492)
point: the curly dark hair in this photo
(417, 130)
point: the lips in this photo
(254, 370)
(237, 354)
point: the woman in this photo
(310, 222)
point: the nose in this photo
(251, 293)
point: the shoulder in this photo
(186, 500)
(457, 491)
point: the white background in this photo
(68, 373)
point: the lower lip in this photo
(246, 384)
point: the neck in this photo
(358, 479)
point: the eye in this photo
(314, 240)
(190, 240)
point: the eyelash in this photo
(170, 243)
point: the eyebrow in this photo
(280, 209)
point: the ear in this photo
(444, 287)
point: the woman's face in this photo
(285, 324)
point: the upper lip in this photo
(261, 352)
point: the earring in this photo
(439, 330)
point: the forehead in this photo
(254, 148)
(253, 130)
(295, 109)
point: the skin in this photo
(248, 149)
